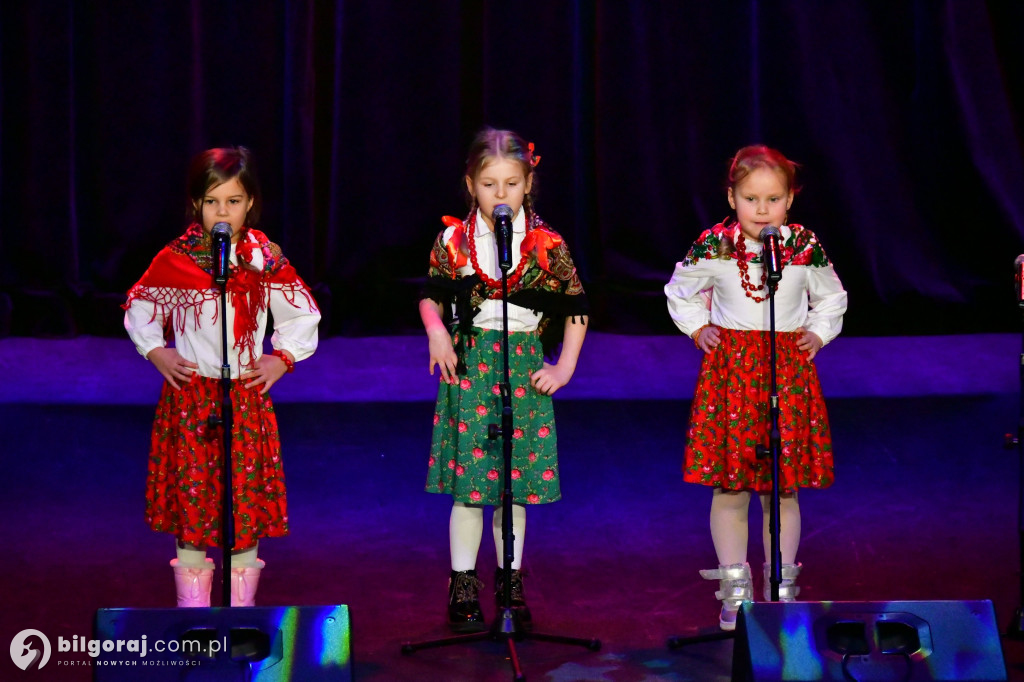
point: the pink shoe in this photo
(193, 584)
(244, 582)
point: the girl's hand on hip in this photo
(708, 338)
(268, 369)
(174, 368)
(809, 342)
(550, 378)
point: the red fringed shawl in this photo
(180, 280)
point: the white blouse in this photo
(295, 327)
(709, 291)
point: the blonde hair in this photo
(491, 144)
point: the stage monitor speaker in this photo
(255, 644)
(896, 640)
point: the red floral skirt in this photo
(183, 487)
(730, 417)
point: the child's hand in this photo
(809, 342)
(268, 369)
(708, 338)
(550, 378)
(174, 368)
(442, 354)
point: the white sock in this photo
(518, 530)
(245, 558)
(465, 529)
(190, 557)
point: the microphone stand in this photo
(774, 451)
(1016, 628)
(226, 422)
(506, 625)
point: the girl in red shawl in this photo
(177, 299)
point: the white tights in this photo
(195, 557)
(729, 519)
(466, 528)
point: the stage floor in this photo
(925, 504)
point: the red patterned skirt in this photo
(730, 417)
(183, 487)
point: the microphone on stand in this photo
(221, 234)
(1018, 278)
(771, 236)
(502, 218)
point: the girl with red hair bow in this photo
(461, 309)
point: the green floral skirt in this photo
(464, 462)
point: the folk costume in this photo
(722, 282)
(544, 289)
(176, 296)
(714, 284)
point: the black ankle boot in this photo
(464, 614)
(520, 610)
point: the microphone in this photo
(1018, 277)
(221, 234)
(772, 237)
(502, 218)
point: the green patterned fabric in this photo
(464, 462)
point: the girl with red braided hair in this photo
(718, 297)
(177, 297)
(461, 310)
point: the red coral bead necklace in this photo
(513, 277)
(744, 268)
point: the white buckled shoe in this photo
(734, 588)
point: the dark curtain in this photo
(905, 118)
